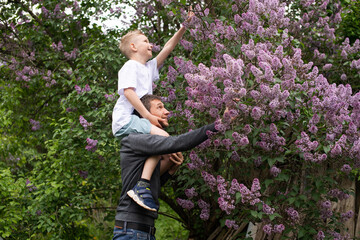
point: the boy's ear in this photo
(133, 47)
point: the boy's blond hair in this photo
(125, 42)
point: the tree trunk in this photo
(347, 205)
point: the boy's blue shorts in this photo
(136, 125)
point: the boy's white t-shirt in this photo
(132, 75)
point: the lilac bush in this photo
(268, 63)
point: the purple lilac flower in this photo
(83, 174)
(267, 209)
(30, 186)
(91, 145)
(225, 205)
(267, 229)
(205, 214)
(346, 168)
(346, 216)
(255, 185)
(84, 123)
(231, 224)
(35, 125)
(343, 77)
(190, 193)
(326, 204)
(338, 194)
(257, 113)
(78, 89)
(186, 45)
(257, 161)
(327, 67)
(209, 180)
(274, 171)
(278, 228)
(320, 235)
(86, 88)
(186, 204)
(155, 48)
(293, 214)
(336, 150)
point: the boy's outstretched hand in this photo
(191, 14)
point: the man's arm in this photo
(135, 101)
(146, 144)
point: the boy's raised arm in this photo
(171, 44)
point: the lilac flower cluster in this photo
(274, 171)
(196, 162)
(210, 180)
(31, 187)
(186, 204)
(307, 147)
(57, 47)
(293, 215)
(325, 209)
(35, 125)
(188, 46)
(205, 209)
(346, 216)
(84, 122)
(191, 192)
(336, 193)
(85, 89)
(231, 224)
(272, 141)
(277, 228)
(267, 209)
(72, 55)
(165, 2)
(249, 196)
(110, 97)
(83, 174)
(240, 139)
(320, 235)
(56, 13)
(346, 168)
(91, 144)
(226, 200)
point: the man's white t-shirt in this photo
(132, 75)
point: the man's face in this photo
(158, 109)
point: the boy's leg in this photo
(141, 193)
(158, 131)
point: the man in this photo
(133, 221)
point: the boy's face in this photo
(142, 46)
(158, 109)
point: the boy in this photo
(135, 80)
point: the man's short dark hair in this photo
(146, 100)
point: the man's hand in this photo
(177, 159)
